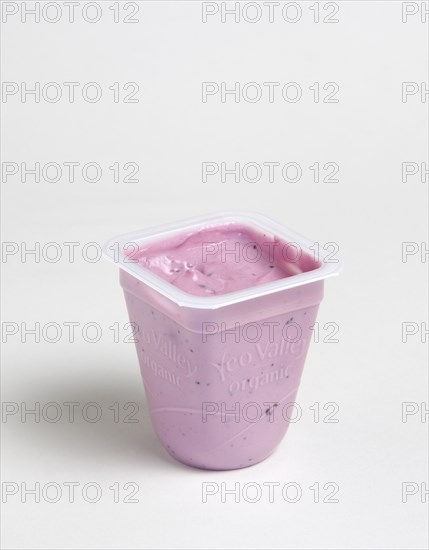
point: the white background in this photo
(169, 133)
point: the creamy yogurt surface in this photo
(218, 260)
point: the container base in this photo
(219, 467)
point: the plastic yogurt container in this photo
(222, 308)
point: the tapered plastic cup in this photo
(221, 373)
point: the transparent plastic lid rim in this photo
(113, 250)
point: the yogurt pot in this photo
(222, 307)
